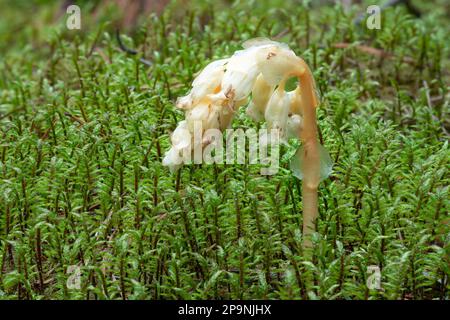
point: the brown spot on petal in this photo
(229, 94)
(270, 55)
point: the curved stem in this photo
(311, 161)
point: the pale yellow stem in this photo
(310, 211)
(311, 161)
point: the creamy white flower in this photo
(254, 113)
(261, 93)
(276, 62)
(184, 102)
(173, 159)
(225, 85)
(198, 113)
(213, 119)
(208, 114)
(296, 104)
(210, 71)
(181, 137)
(225, 117)
(277, 111)
(241, 72)
(207, 82)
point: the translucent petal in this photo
(198, 114)
(238, 84)
(173, 160)
(200, 91)
(254, 113)
(275, 63)
(261, 41)
(326, 163)
(277, 111)
(208, 80)
(241, 72)
(261, 93)
(210, 68)
(294, 125)
(225, 118)
(181, 137)
(296, 106)
(213, 120)
(184, 102)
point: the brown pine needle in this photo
(372, 51)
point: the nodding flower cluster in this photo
(260, 69)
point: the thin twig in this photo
(372, 51)
(130, 51)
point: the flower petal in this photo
(293, 126)
(241, 72)
(296, 103)
(261, 93)
(208, 80)
(205, 83)
(261, 41)
(275, 63)
(181, 137)
(172, 159)
(277, 111)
